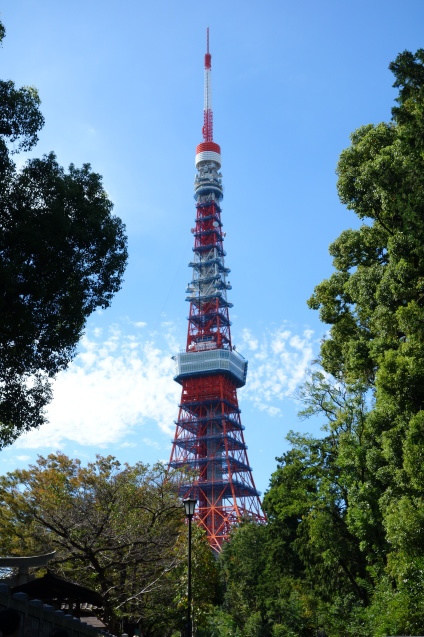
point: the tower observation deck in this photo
(209, 440)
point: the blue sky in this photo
(121, 85)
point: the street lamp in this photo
(189, 507)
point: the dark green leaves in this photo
(20, 117)
(346, 511)
(62, 255)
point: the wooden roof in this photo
(51, 587)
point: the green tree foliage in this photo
(374, 303)
(343, 547)
(62, 255)
(117, 529)
(313, 566)
(206, 589)
(264, 595)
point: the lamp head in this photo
(189, 506)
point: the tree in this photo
(62, 255)
(206, 593)
(374, 302)
(243, 565)
(117, 529)
(343, 547)
(264, 593)
(316, 562)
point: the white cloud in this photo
(23, 458)
(151, 443)
(112, 386)
(249, 340)
(279, 362)
(122, 379)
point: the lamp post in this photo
(189, 507)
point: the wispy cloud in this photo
(278, 363)
(116, 383)
(122, 379)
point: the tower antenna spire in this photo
(207, 109)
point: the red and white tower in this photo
(209, 437)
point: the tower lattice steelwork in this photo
(209, 436)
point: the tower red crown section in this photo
(209, 441)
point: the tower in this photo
(209, 439)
